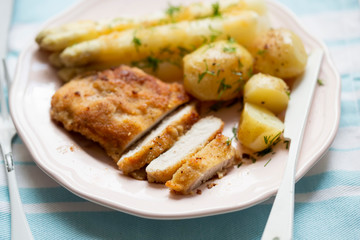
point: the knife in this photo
(280, 222)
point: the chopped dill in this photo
(267, 162)
(171, 10)
(320, 82)
(223, 87)
(262, 52)
(216, 9)
(239, 165)
(137, 42)
(287, 142)
(202, 75)
(229, 49)
(231, 39)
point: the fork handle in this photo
(19, 226)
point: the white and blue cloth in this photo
(327, 197)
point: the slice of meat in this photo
(162, 168)
(115, 107)
(213, 158)
(159, 140)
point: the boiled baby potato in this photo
(267, 91)
(280, 53)
(258, 128)
(217, 71)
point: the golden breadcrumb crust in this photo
(214, 157)
(159, 144)
(114, 107)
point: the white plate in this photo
(83, 168)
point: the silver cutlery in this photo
(281, 219)
(19, 226)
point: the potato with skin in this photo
(217, 71)
(258, 128)
(280, 53)
(267, 91)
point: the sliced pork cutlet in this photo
(162, 168)
(159, 140)
(115, 107)
(214, 158)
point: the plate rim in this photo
(152, 215)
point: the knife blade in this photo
(280, 222)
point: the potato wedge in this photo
(217, 71)
(58, 38)
(161, 42)
(267, 91)
(258, 127)
(280, 53)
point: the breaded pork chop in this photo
(215, 157)
(115, 107)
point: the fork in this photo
(19, 226)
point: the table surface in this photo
(327, 199)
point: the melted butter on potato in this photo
(280, 53)
(258, 128)
(217, 71)
(267, 91)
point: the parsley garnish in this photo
(183, 51)
(223, 87)
(286, 144)
(320, 82)
(149, 62)
(239, 164)
(214, 33)
(216, 9)
(264, 152)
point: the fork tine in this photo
(4, 110)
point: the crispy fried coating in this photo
(115, 107)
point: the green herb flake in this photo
(216, 106)
(262, 52)
(202, 75)
(267, 162)
(320, 82)
(171, 10)
(229, 49)
(253, 159)
(216, 9)
(239, 165)
(137, 42)
(264, 152)
(231, 40)
(287, 142)
(223, 87)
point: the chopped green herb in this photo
(216, 9)
(262, 51)
(250, 72)
(231, 39)
(287, 142)
(202, 75)
(149, 62)
(267, 162)
(239, 165)
(288, 93)
(240, 65)
(171, 10)
(216, 106)
(275, 139)
(266, 139)
(214, 33)
(228, 141)
(183, 51)
(229, 49)
(253, 159)
(136, 42)
(320, 82)
(223, 87)
(264, 152)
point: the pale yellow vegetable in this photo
(168, 71)
(258, 128)
(267, 91)
(163, 41)
(280, 53)
(58, 38)
(217, 71)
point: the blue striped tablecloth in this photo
(327, 198)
